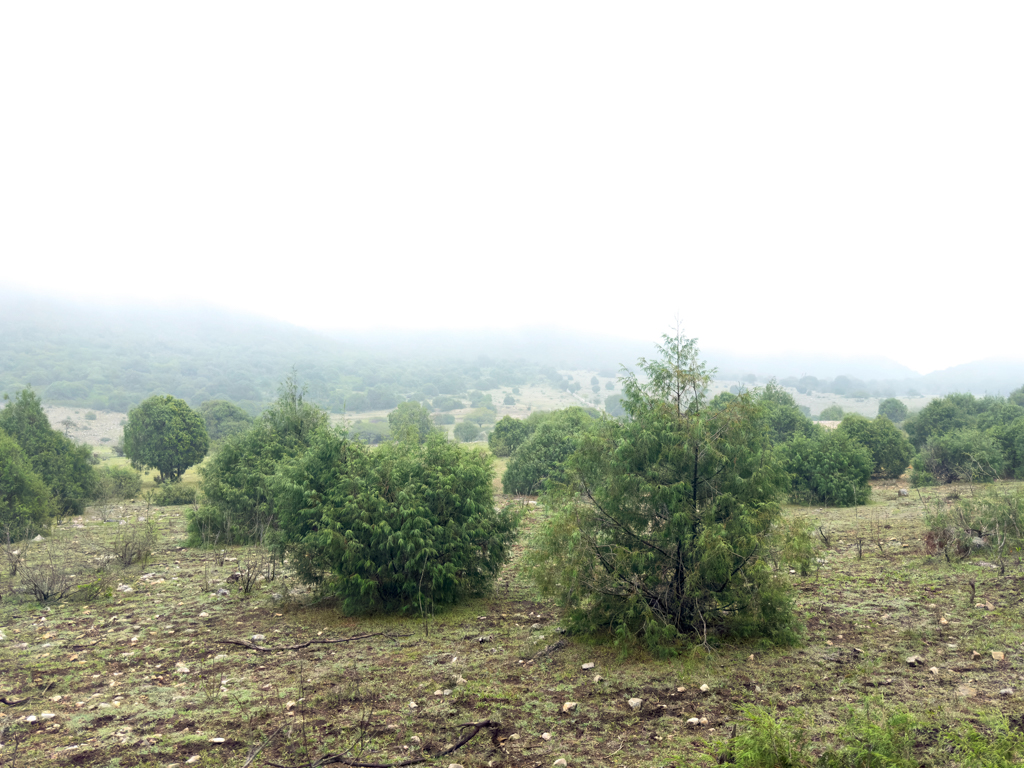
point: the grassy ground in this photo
(132, 669)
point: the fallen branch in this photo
(10, 701)
(254, 752)
(252, 646)
(331, 759)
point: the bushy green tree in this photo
(828, 467)
(401, 527)
(942, 416)
(508, 434)
(445, 403)
(665, 519)
(832, 413)
(784, 417)
(540, 457)
(26, 504)
(410, 420)
(65, 468)
(890, 448)
(466, 431)
(223, 419)
(613, 406)
(167, 435)
(238, 504)
(892, 409)
(509, 400)
(963, 455)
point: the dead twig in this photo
(252, 646)
(10, 701)
(332, 759)
(254, 752)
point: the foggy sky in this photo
(777, 176)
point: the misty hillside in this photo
(111, 357)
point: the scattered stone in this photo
(443, 692)
(693, 722)
(902, 492)
(179, 667)
(989, 607)
(193, 759)
(829, 642)
(31, 719)
(681, 689)
(589, 665)
(943, 620)
(1006, 692)
(932, 606)
(546, 736)
(750, 657)
(705, 688)
(561, 762)
(535, 627)
(858, 650)
(703, 721)
(569, 706)
(484, 639)
(125, 588)
(914, 660)
(413, 705)
(966, 691)
(415, 740)
(217, 740)
(635, 703)
(454, 765)
(933, 670)
(514, 737)
(998, 655)
(598, 679)
(258, 638)
(222, 593)
(288, 705)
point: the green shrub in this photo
(173, 494)
(890, 448)
(509, 400)
(828, 467)
(832, 413)
(401, 527)
(90, 416)
(466, 431)
(508, 434)
(115, 482)
(963, 455)
(892, 409)
(540, 457)
(446, 403)
(993, 522)
(443, 418)
(26, 504)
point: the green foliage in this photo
(223, 419)
(1010, 438)
(446, 403)
(942, 416)
(828, 467)
(509, 400)
(481, 416)
(410, 421)
(892, 409)
(26, 504)
(963, 455)
(90, 416)
(238, 504)
(609, 385)
(508, 434)
(466, 431)
(832, 413)
(402, 527)
(174, 494)
(540, 458)
(167, 435)
(613, 406)
(443, 418)
(664, 521)
(890, 448)
(65, 468)
(118, 482)
(784, 417)
(480, 400)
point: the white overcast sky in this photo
(780, 176)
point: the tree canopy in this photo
(223, 419)
(63, 466)
(26, 504)
(167, 435)
(665, 519)
(410, 420)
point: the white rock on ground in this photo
(635, 703)
(569, 706)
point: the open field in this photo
(134, 668)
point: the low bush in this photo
(114, 482)
(172, 494)
(993, 523)
(828, 467)
(963, 455)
